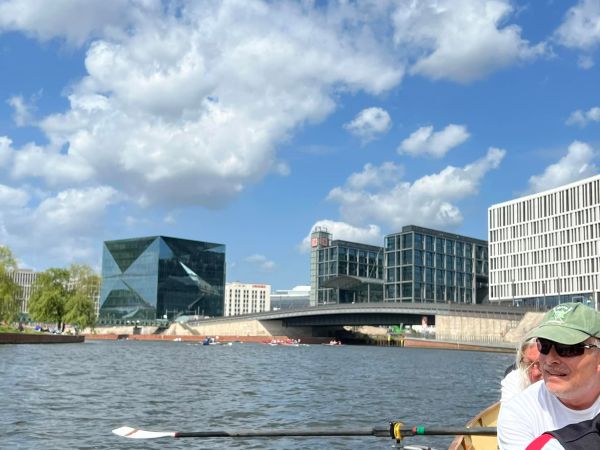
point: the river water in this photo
(71, 396)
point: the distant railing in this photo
(132, 323)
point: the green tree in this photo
(49, 296)
(84, 288)
(7, 259)
(10, 291)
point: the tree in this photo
(84, 287)
(10, 291)
(7, 259)
(49, 296)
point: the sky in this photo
(248, 123)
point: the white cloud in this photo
(11, 197)
(581, 26)
(460, 40)
(585, 62)
(262, 262)
(65, 226)
(582, 118)
(57, 169)
(75, 21)
(425, 141)
(371, 234)
(158, 105)
(370, 124)
(22, 111)
(428, 201)
(6, 151)
(575, 165)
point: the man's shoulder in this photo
(525, 404)
(534, 392)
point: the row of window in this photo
(437, 260)
(576, 252)
(247, 295)
(588, 217)
(558, 286)
(543, 271)
(431, 243)
(352, 269)
(573, 198)
(548, 240)
(437, 276)
(426, 292)
(350, 255)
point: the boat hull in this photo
(486, 418)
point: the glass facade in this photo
(424, 265)
(348, 272)
(152, 277)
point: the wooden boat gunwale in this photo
(486, 418)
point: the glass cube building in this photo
(161, 277)
(423, 265)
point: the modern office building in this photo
(430, 266)
(161, 277)
(295, 298)
(344, 272)
(25, 279)
(243, 298)
(544, 247)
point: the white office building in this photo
(243, 298)
(24, 278)
(544, 248)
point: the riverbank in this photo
(408, 342)
(39, 338)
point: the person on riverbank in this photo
(567, 339)
(524, 372)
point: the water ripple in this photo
(72, 396)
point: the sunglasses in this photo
(563, 350)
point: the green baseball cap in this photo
(568, 323)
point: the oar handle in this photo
(398, 431)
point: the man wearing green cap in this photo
(568, 342)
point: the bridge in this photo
(452, 321)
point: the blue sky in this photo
(248, 122)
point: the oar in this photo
(395, 430)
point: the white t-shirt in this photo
(511, 385)
(534, 411)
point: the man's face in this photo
(530, 361)
(574, 380)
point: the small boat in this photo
(486, 418)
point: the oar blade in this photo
(135, 433)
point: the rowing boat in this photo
(486, 418)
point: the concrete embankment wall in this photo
(484, 329)
(266, 329)
(39, 338)
(250, 328)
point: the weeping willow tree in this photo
(10, 291)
